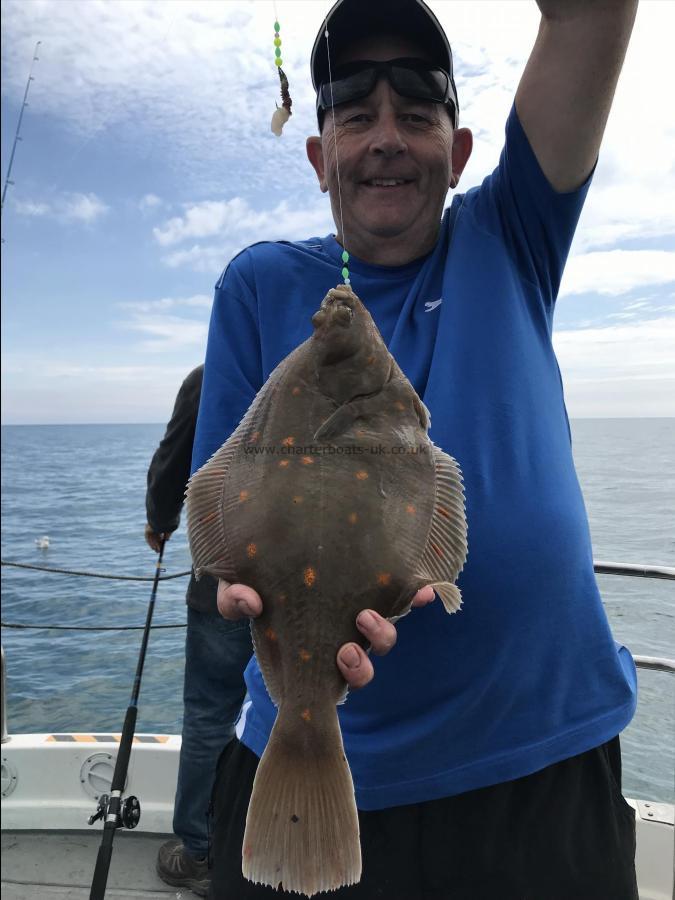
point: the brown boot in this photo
(178, 868)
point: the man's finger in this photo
(357, 670)
(380, 632)
(237, 601)
(423, 596)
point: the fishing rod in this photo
(115, 811)
(17, 136)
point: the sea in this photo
(82, 487)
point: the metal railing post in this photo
(5, 736)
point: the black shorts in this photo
(564, 833)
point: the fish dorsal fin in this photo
(445, 550)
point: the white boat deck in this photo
(59, 865)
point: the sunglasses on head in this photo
(409, 77)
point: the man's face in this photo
(395, 157)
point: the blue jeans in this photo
(216, 654)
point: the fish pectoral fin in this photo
(205, 515)
(450, 594)
(338, 422)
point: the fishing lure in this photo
(282, 113)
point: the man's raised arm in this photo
(566, 92)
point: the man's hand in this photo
(154, 539)
(236, 601)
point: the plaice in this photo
(329, 498)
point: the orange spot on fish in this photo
(361, 475)
(410, 509)
(309, 576)
(284, 463)
(383, 578)
(304, 655)
(352, 518)
(306, 715)
(296, 392)
(443, 511)
(370, 360)
(243, 495)
(271, 634)
(209, 518)
(251, 550)
(248, 851)
(254, 437)
(297, 500)
(288, 441)
(307, 461)
(399, 405)
(437, 550)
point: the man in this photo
(484, 753)
(216, 653)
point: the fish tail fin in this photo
(302, 829)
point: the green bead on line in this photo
(277, 52)
(345, 256)
(277, 26)
(277, 42)
(345, 272)
(278, 61)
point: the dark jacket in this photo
(168, 475)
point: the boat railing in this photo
(5, 736)
(601, 567)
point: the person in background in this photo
(485, 749)
(216, 654)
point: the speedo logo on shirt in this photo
(432, 304)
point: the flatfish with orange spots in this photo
(329, 498)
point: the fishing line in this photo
(110, 575)
(345, 253)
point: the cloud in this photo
(197, 301)
(164, 328)
(168, 332)
(83, 208)
(68, 207)
(31, 208)
(614, 272)
(39, 391)
(204, 220)
(148, 202)
(620, 370)
(237, 224)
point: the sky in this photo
(146, 162)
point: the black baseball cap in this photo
(350, 19)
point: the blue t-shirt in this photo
(527, 672)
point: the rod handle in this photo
(100, 880)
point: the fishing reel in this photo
(129, 814)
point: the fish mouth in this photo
(337, 308)
(340, 302)
(342, 314)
